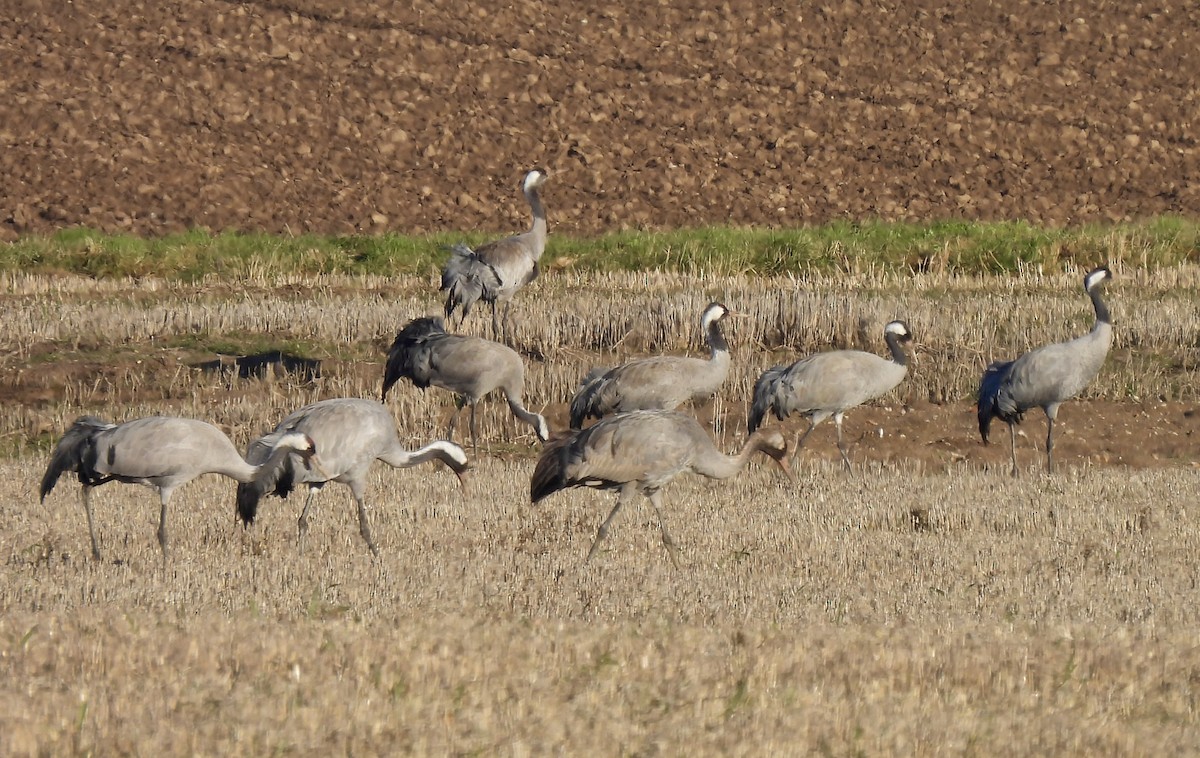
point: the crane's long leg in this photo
(458, 406)
(1012, 443)
(164, 496)
(627, 493)
(87, 507)
(364, 524)
(837, 420)
(507, 305)
(302, 522)
(672, 550)
(1049, 444)
(495, 323)
(474, 436)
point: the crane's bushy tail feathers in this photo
(988, 403)
(467, 279)
(765, 390)
(408, 357)
(72, 453)
(549, 475)
(583, 404)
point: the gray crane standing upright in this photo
(662, 382)
(1046, 377)
(165, 453)
(353, 433)
(829, 384)
(642, 451)
(494, 272)
(470, 367)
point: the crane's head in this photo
(534, 179)
(712, 313)
(900, 329)
(304, 446)
(1095, 277)
(772, 443)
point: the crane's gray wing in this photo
(835, 381)
(659, 383)
(472, 366)
(160, 448)
(513, 259)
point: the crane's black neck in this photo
(897, 348)
(716, 339)
(1102, 315)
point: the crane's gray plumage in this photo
(470, 367)
(352, 434)
(662, 382)
(495, 272)
(1046, 377)
(642, 451)
(829, 384)
(164, 453)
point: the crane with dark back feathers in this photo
(470, 367)
(352, 433)
(642, 451)
(662, 382)
(829, 384)
(165, 453)
(496, 271)
(1046, 377)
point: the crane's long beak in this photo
(785, 465)
(784, 459)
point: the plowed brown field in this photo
(417, 116)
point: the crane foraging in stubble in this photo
(662, 382)
(495, 272)
(829, 384)
(642, 451)
(354, 433)
(164, 453)
(1046, 377)
(470, 367)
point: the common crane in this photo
(662, 382)
(165, 453)
(642, 451)
(829, 384)
(470, 367)
(1046, 377)
(494, 272)
(352, 434)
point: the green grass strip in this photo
(946, 246)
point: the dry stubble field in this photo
(928, 604)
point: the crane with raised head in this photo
(496, 271)
(1046, 377)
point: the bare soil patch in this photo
(309, 115)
